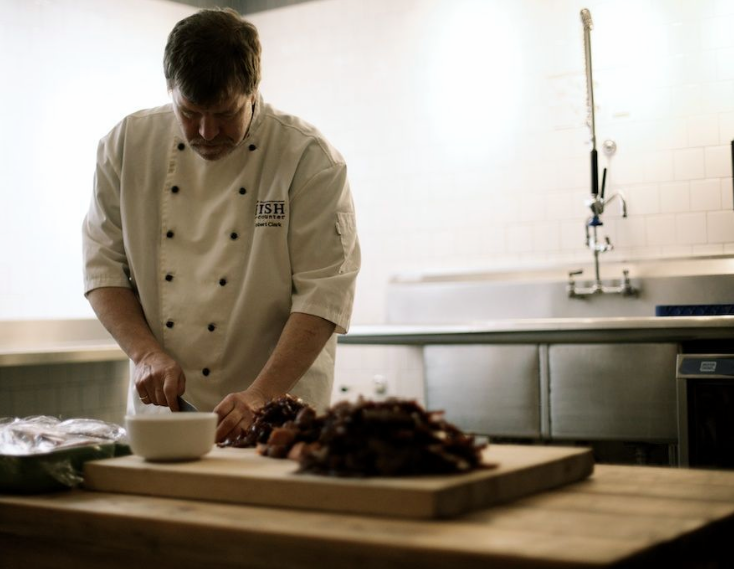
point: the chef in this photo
(220, 246)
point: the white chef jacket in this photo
(220, 253)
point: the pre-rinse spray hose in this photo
(591, 119)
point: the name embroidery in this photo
(269, 213)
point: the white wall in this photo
(462, 122)
(69, 69)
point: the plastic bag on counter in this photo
(43, 453)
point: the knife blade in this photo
(185, 407)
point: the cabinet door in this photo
(485, 389)
(624, 392)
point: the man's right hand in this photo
(159, 380)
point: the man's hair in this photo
(211, 55)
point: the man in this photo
(220, 246)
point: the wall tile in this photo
(724, 8)
(25, 403)
(725, 61)
(661, 230)
(7, 405)
(66, 390)
(689, 164)
(630, 170)
(675, 251)
(671, 134)
(716, 32)
(703, 130)
(684, 37)
(546, 237)
(658, 166)
(46, 399)
(571, 235)
(675, 197)
(708, 250)
(675, 11)
(718, 97)
(720, 226)
(417, 125)
(705, 195)
(686, 99)
(69, 399)
(726, 127)
(727, 194)
(632, 232)
(519, 239)
(643, 199)
(718, 161)
(690, 228)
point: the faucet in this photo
(597, 203)
(625, 288)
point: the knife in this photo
(185, 407)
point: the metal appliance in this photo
(705, 384)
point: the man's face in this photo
(213, 131)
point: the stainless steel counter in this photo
(38, 342)
(63, 342)
(549, 330)
(61, 353)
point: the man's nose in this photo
(208, 127)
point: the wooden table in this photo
(623, 516)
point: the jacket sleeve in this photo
(104, 260)
(324, 247)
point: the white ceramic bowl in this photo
(171, 436)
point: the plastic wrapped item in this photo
(43, 453)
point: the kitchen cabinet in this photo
(488, 389)
(624, 392)
(608, 380)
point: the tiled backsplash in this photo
(377, 372)
(95, 390)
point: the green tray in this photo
(52, 471)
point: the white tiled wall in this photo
(71, 69)
(462, 122)
(377, 372)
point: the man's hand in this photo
(236, 412)
(159, 380)
(301, 341)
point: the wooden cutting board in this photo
(242, 476)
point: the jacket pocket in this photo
(346, 227)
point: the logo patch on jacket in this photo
(269, 213)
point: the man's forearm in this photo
(302, 339)
(119, 311)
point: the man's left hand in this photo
(236, 412)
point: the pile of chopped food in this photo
(367, 438)
(288, 415)
(388, 438)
